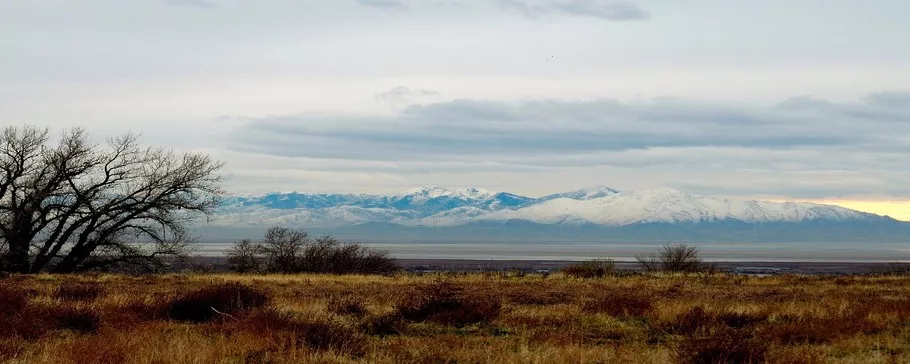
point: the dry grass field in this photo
(454, 318)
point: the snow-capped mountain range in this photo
(433, 206)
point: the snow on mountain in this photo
(439, 206)
(588, 193)
(665, 205)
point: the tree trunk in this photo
(17, 258)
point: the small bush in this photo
(594, 268)
(79, 292)
(201, 305)
(447, 304)
(673, 258)
(618, 304)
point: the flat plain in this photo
(454, 318)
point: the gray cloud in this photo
(200, 4)
(384, 4)
(799, 138)
(609, 10)
(403, 94)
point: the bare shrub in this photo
(446, 303)
(79, 292)
(290, 251)
(245, 257)
(215, 302)
(673, 258)
(594, 268)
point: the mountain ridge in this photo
(440, 206)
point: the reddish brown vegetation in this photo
(465, 318)
(217, 302)
(616, 303)
(79, 292)
(448, 304)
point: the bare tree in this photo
(245, 257)
(283, 247)
(73, 205)
(284, 250)
(672, 258)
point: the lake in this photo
(626, 251)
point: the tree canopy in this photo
(68, 205)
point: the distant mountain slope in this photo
(585, 212)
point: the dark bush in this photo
(618, 304)
(447, 304)
(594, 268)
(720, 347)
(79, 292)
(78, 320)
(216, 302)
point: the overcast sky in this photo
(804, 99)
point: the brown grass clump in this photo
(447, 304)
(286, 330)
(615, 303)
(347, 306)
(79, 292)
(216, 302)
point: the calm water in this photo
(805, 252)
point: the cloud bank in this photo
(608, 10)
(800, 146)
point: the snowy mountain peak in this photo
(438, 191)
(598, 205)
(587, 193)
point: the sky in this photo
(804, 100)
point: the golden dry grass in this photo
(469, 318)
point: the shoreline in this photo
(751, 267)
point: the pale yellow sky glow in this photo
(899, 210)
